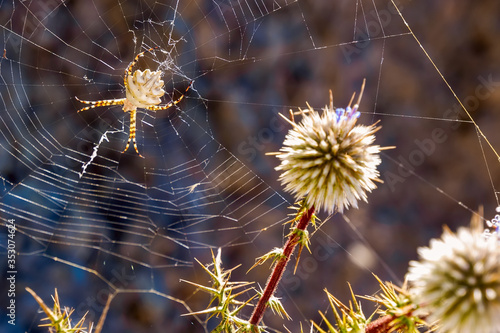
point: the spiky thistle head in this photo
(329, 159)
(457, 281)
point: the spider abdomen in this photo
(145, 88)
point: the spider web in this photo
(101, 225)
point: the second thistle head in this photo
(328, 159)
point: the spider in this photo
(143, 89)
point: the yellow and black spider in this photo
(143, 89)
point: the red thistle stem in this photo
(381, 325)
(279, 268)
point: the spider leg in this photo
(166, 106)
(131, 137)
(128, 71)
(95, 104)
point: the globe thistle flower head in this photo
(457, 281)
(328, 159)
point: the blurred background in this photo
(128, 223)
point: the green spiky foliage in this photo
(397, 310)
(396, 313)
(58, 318)
(224, 303)
(351, 319)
